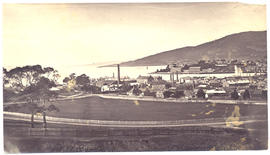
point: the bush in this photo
(246, 95)
(234, 95)
(201, 93)
(91, 89)
(148, 93)
(264, 94)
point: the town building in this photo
(142, 79)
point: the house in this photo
(176, 69)
(186, 71)
(186, 80)
(111, 86)
(216, 92)
(158, 86)
(131, 82)
(241, 82)
(142, 79)
(159, 94)
(221, 63)
(203, 86)
(208, 70)
(105, 88)
(194, 69)
(100, 83)
(215, 83)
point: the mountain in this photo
(244, 45)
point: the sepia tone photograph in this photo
(134, 77)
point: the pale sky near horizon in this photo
(77, 34)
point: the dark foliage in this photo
(147, 92)
(264, 94)
(201, 93)
(136, 90)
(82, 80)
(91, 89)
(246, 95)
(234, 95)
(150, 79)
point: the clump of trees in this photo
(81, 82)
(34, 83)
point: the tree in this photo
(91, 88)
(246, 95)
(66, 79)
(159, 78)
(201, 93)
(34, 83)
(22, 77)
(72, 76)
(70, 81)
(126, 87)
(147, 92)
(168, 85)
(5, 79)
(167, 94)
(48, 71)
(51, 73)
(42, 92)
(150, 79)
(82, 80)
(201, 62)
(264, 94)
(185, 67)
(136, 90)
(167, 68)
(234, 95)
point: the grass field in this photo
(85, 139)
(97, 108)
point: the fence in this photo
(195, 122)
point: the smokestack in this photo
(118, 68)
(177, 78)
(172, 78)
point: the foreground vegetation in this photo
(89, 139)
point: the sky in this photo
(78, 34)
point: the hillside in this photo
(244, 45)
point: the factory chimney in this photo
(118, 68)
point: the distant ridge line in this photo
(242, 45)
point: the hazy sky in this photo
(66, 34)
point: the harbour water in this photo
(96, 72)
(133, 72)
